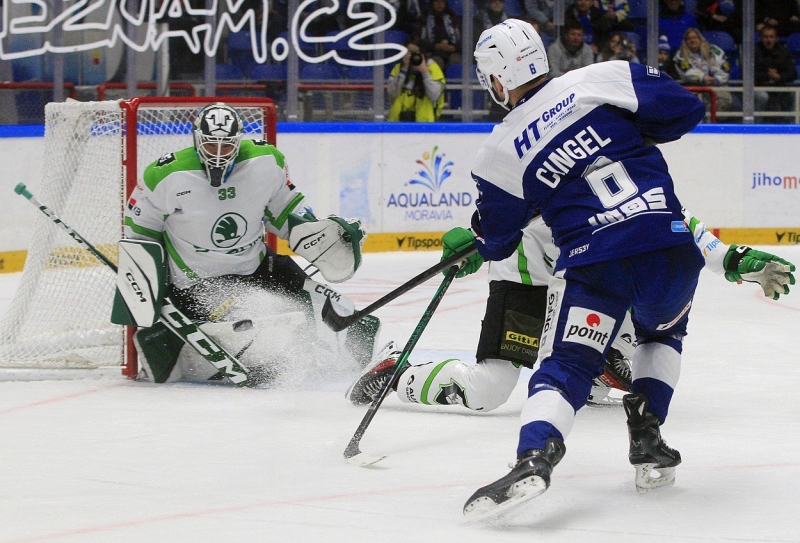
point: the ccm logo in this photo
(313, 242)
(135, 287)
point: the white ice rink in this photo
(111, 460)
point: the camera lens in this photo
(416, 59)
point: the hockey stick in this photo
(352, 453)
(171, 317)
(337, 322)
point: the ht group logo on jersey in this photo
(763, 181)
(424, 198)
(588, 327)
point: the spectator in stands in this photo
(569, 52)
(541, 12)
(782, 14)
(595, 25)
(665, 63)
(409, 15)
(415, 87)
(440, 33)
(618, 47)
(674, 21)
(774, 66)
(492, 13)
(616, 11)
(701, 63)
(720, 16)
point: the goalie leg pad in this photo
(481, 387)
(333, 245)
(158, 350)
(141, 283)
(361, 339)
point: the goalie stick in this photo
(353, 454)
(170, 316)
(337, 322)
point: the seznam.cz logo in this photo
(110, 18)
(424, 198)
(763, 181)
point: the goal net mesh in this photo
(59, 315)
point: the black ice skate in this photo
(529, 478)
(648, 451)
(374, 376)
(616, 376)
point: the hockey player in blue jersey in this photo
(578, 150)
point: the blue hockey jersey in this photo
(575, 151)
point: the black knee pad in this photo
(512, 326)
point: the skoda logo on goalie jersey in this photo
(228, 230)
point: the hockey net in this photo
(94, 154)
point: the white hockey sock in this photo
(481, 387)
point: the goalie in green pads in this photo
(208, 206)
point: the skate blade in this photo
(363, 460)
(484, 509)
(645, 482)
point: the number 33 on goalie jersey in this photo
(211, 231)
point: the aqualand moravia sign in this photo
(109, 18)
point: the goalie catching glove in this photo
(333, 244)
(771, 272)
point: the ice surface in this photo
(107, 459)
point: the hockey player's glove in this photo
(332, 244)
(456, 240)
(771, 272)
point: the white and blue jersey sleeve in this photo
(574, 150)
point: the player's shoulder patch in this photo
(257, 148)
(183, 160)
(653, 72)
(166, 159)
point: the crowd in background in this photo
(699, 44)
(699, 41)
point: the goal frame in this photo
(130, 108)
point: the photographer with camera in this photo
(415, 88)
(618, 47)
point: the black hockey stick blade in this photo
(337, 322)
(353, 454)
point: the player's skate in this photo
(372, 378)
(529, 478)
(616, 376)
(648, 452)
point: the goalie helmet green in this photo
(217, 137)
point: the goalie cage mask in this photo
(513, 52)
(217, 137)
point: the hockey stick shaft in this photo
(353, 447)
(338, 322)
(170, 316)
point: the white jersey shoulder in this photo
(560, 105)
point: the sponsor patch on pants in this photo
(588, 327)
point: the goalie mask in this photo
(217, 137)
(513, 52)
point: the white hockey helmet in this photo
(513, 52)
(217, 136)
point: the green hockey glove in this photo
(771, 272)
(456, 240)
